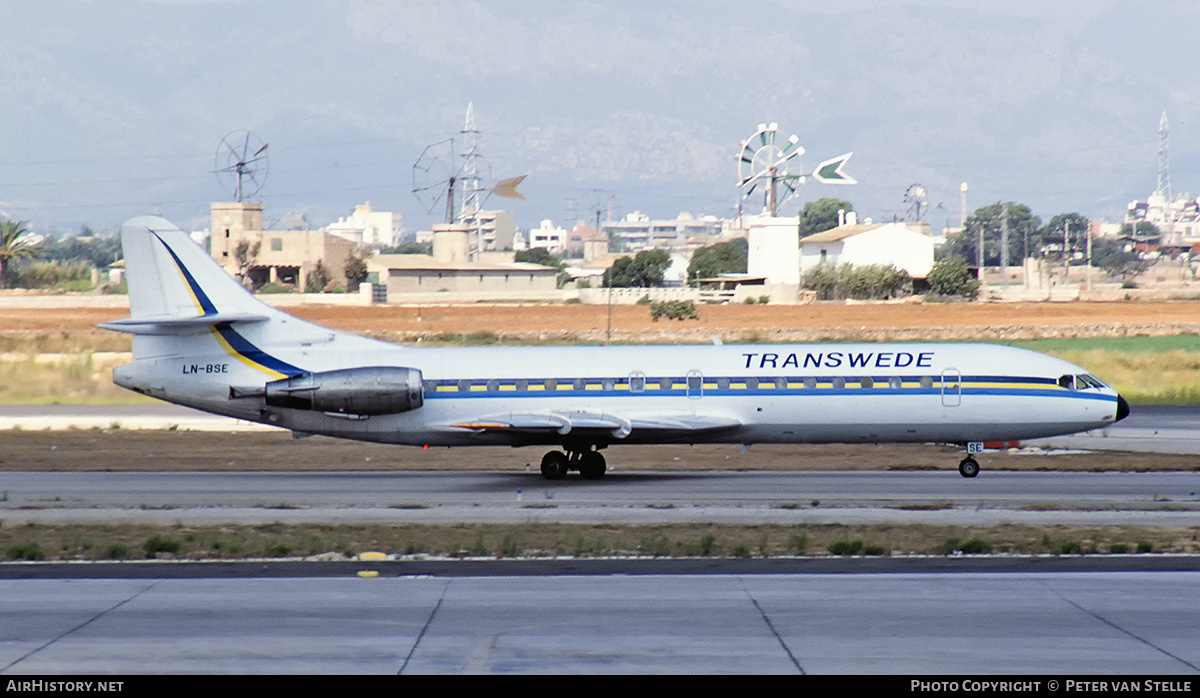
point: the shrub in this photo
(952, 277)
(161, 544)
(25, 551)
(846, 547)
(976, 546)
(872, 281)
(673, 310)
(117, 551)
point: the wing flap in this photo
(617, 425)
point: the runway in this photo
(1147, 499)
(924, 624)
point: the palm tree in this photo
(15, 243)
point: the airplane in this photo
(201, 340)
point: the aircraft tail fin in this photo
(175, 287)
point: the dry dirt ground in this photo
(732, 323)
(100, 450)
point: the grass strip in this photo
(234, 542)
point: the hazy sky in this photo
(115, 109)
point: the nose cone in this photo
(1122, 409)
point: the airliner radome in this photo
(201, 340)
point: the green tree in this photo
(356, 272)
(1023, 226)
(538, 255)
(1143, 232)
(246, 254)
(318, 279)
(1074, 226)
(15, 244)
(721, 258)
(542, 256)
(98, 250)
(951, 276)
(821, 215)
(1118, 258)
(410, 247)
(643, 270)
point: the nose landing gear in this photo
(969, 467)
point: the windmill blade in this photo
(507, 188)
(830, 171)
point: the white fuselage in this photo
(804, 393)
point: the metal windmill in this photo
(915, 199)
(767, 165)
(241, 163)
(441, 169)
(763, 163)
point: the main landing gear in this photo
(590, 464)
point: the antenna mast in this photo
(1164, 170)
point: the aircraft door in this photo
(951, 387)
(695, 385)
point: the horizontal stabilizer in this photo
(166, 325)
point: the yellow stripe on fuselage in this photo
(243, 358)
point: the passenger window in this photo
(693, 382)
(752, 383)
(926, 382)
(551, 384)
(493, 385)
(579, 384)
(781, 384)
(810, 383)
(866, 382)
(430, 386)
(723, 383)
(522, 385)
(637, 382)
(608, 384)
(895, 383)
(665, 384)
(464, 386)
(839, 382)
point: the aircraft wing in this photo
(566, 422)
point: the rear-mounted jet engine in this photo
(370, 390)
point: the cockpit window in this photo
(1081, 382)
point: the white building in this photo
(774, 250)
(1177, 219)
(367, 227)
(547, 235)
(860, 245)
(638, 232)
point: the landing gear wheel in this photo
(555, 465)
(592, 465)
(969, 467)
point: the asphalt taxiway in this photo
(987, 623)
